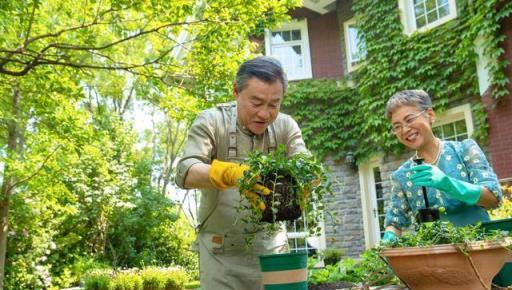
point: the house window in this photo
(454, 131)
(298, 239)
(421, 15)
(356, 50)
(455, 124)
(290, 45)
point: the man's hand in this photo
(432, 176)
(224, 175)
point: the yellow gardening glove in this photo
(224, 175)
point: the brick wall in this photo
(324, 43)
(500, 117)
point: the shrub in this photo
(98, 280)
(151, 278)
(126, 281)
(70, 274)
(175, 279)
(332, 255)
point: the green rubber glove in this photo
(389, 237)
(432, 176)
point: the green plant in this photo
(331, 273)
(152, 279)
(332, 255)
(304, 179)
(98, 280)
(369, 270)
(441, 232)
(175, 278)
(126, 281)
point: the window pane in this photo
(460, 127)
(286, 35)
(421, 21)
(416, 2)
(291, 59)
(432, 16)
(438, 131)
(431, 5)
(276, 37)
(444, 11)
(442, 3)
(353, 42)
(449, 130)
(296, 35)
(419, 10)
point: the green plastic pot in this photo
(286, 271)
(504, 277)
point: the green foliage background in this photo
(337, 118)
(84, 188)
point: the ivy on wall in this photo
(336, 118)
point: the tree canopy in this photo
(78, 185)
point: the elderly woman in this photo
(456, 175)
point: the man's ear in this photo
(235, 90)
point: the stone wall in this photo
(345, 229)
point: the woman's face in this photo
(413, 126)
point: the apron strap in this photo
(272, 138)
(232, 152)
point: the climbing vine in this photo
(337, 118)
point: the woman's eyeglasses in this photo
(398, 127)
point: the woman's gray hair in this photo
(416, 98)
(264, 68)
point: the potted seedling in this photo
(298, 185)
(441, 256)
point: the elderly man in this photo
(219, 141)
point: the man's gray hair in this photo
(416, 98)
(266, 69)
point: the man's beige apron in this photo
(224, 260)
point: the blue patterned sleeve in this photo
(398, 213)
(479, 170)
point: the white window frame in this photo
(348, 47)
(455, 114)
(317, 242)
(301, 25)
(408, 18)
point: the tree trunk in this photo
(8, 181)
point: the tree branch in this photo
(39, 59)
(29, 29)
(37, 171)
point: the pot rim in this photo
(446, 248)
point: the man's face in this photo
(258, 104)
